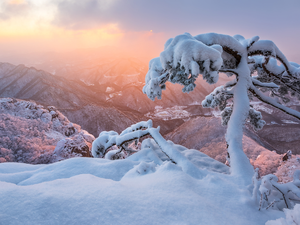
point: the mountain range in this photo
(78, 91)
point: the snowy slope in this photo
(35, 134)
(98, 191)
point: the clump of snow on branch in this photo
(256, 120)
(155, 80)
(185, 56)
(108, 139)
(279, 196)
(218, 98)
(225, 115)
(279, 185)
(183, 59)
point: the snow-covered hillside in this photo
(34, 134)
(73, 98)
(118, 104)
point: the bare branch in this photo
(272, 203)
(283, 195)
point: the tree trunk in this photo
(239, 162)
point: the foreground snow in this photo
(99, 191)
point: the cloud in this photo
(17, 2)
(276, 20)
(13, 8)
(80, 15)
(177, 15)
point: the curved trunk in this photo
(239, 162)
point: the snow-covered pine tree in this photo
(253, 63)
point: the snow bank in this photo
(98, 191)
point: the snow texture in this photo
(292, 217)
(100, 191)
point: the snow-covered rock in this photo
(35, 134)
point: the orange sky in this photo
(33, 31)
(137, 28)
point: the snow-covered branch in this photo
(278, 196)
(230, 45)
(278, 72)
(273, 103)
(108, 139)
(218, 98)
(257, 83)
(269, 49)
(183, 59)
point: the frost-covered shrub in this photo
(287, 168)
(267, 162)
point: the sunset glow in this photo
(28, 26)
(17, 2)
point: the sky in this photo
(140, 27)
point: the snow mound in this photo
(35, 134)
(100, 191)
